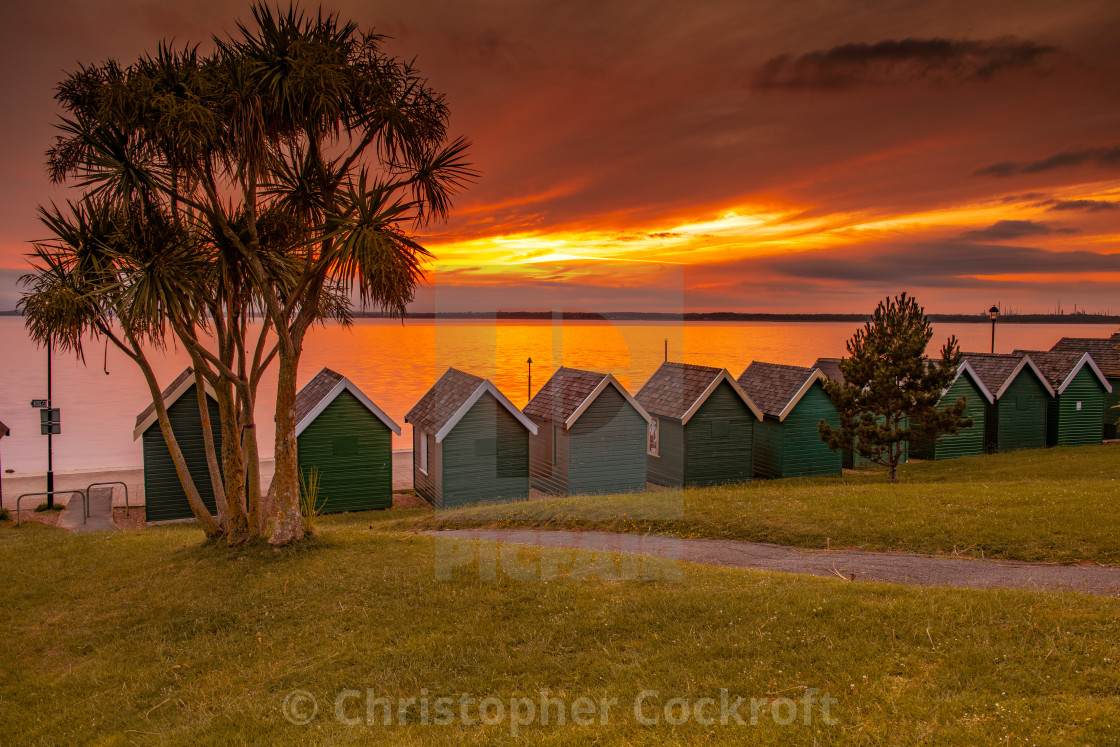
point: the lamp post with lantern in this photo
(994, 314)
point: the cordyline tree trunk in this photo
(285, 499)
(211, 455)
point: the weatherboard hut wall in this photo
(1020, 421)
(427, 486)
(768, 442)
(485, 456)
(667, 468)
(352, 450)
(164, 497)
(967, 441)
(719, 440)
(804, 452)
(1066, 425)
(607, 447)
(548, 469)
(1111, 414)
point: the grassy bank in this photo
(152, 637)
(1053, 505)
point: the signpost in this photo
(50, 423)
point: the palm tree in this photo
(304, 154)
(101, 268)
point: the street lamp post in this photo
(530, 386)
(994, 314)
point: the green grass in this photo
(1053, 505)
(153, 637)
(44, 508)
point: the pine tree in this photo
(891, 393)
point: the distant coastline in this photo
(727, 316)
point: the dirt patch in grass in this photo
(134, 519)
(409, 499)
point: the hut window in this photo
(653, 448)
(345, 445)
(721, 428)
(485, 447)
(424, 452)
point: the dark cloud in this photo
(1105, 156)
(1005, 230)
(941, 265)
(1089, 206)
(900, 61)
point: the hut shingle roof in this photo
(317, 394)
(440, 403)
(994, 368)
(1105, 351)
(314, 391)
(1055, 365)
(773, 386)
(178, 382)
(4, 430)
(674, 388)
(562, 394)
(830, 367)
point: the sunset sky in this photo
(683, 156)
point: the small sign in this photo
(40, 403)
(52, 429)
(50, 415)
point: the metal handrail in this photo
(115, 482)
(48, 493)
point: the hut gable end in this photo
(776, 388)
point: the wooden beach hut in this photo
(164, 498)
(793, 402)
(348, 441)
(469, 443)
(1016, 416)
(1106, 354)
(970, 441)
(1074, 416)
(592, 435)
(701, 428)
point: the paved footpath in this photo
(100, 512)
(892, 567)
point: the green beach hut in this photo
(1106, 354)
(591, 438)
(1016, 416)
(164, 499)
(786, 441)
(469, 443)
(701, 429)
(1074, 414)
(970, 441)
(348, 441)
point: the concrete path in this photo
(892, 567)
(100, 512)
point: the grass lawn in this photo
(1055, 505)
(153, 637)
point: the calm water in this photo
(395, 364)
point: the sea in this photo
(395, 362)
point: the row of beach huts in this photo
(583, 432)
